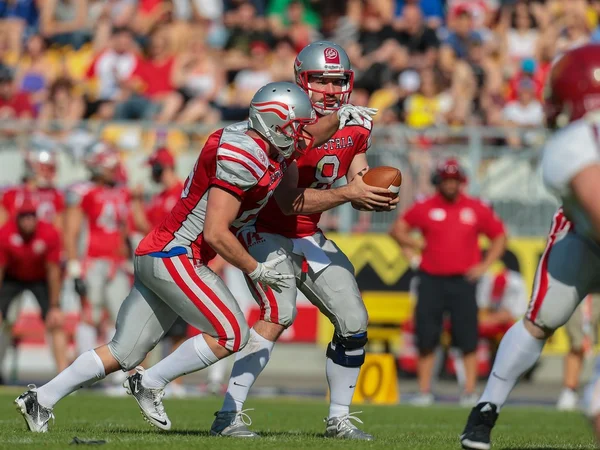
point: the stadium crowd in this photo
(422, 62)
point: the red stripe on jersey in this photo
(241, 163)
(180, 282)
(559, 223)
(237, 334)
(239, 151)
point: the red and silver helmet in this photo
(327, 60)
(101, 156)
(40, 165)
(573, 87)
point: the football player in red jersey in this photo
(97, 214)
(289, 225)
(30, 261)
(38, 185)
(569, 268)
(237, 171)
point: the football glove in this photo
(265, 273)
(356, 115)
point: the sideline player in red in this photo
(237, 171)
(38, 185)
(569, 268)
(289, 225)
(97, 215)
(30, 261)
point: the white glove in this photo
(265, 273)
(74, 269)
(356, 115)
(415, 262)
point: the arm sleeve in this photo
(365, 144)
(414, 216)
(568, 153)
(489, 223)
(238, 170)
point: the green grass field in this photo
(284, 424)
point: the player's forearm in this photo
(54, 284)
(230, 249)
(401, 233)
(312, 201)
(325, 127)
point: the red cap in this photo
(27, 207)
(451, 169)
(162, 157)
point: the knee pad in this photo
(338, 349)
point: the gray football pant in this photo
(333, 290)
(165, 288)
(107, 286)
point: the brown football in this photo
(385, 177)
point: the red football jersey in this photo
(319, 168)
(26, 260)
(106, 210)
(49, 201)
(233, 161)
(162, 203)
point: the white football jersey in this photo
(567, 153)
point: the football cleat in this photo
(482, 419)
(149, 400)
(232, 424)
(342, 428)
(36, 416)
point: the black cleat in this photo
(482, 419)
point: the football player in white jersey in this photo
(569, 268)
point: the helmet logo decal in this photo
(297, 63)
(331, 56)
(278, 108)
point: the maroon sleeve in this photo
(489, 223)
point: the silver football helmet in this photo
(324, 59)
(278, 112)
(41, 161)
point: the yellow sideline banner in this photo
(384, 277)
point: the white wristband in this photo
(74, 269)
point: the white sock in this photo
(342, 383)
(518, 352)
(85, 371)
(216, 372)
(191, 356)
(86, 337)
(249, 363)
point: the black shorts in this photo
(11, 288)
(178, 329)
(438, 295)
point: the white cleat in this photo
(36, 416)
(568, 400)
(149, 400)
(232, 424)
(343, 428)
(423, 399)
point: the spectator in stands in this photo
(432, 10)
(63, 110)
(522, 36)
(582, 332)
(109, 70)
(30, 261)
(64, 22)
(296, 18)
(574, 30)
(430, 105)
(283, 58)
(145, 95)
(340, 22)
(198, 80)
(14, 103)
(529, 71)
(20, 20)
(36, 70)
(421, 41)
(462, 34)
(525, 112)
(450, 264)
